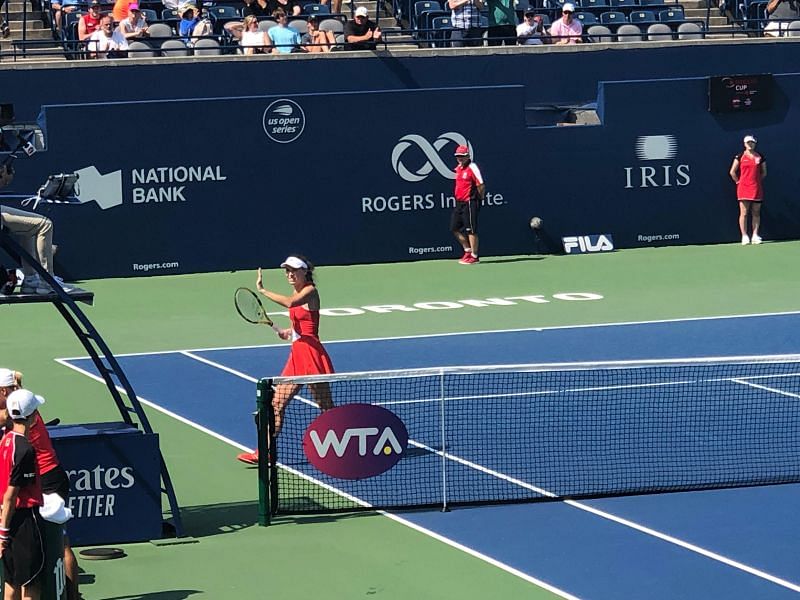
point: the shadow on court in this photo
(168, 595)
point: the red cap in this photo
(462, 151)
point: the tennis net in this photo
(531, 432)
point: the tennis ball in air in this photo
(536, 223)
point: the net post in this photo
(265, 429)
(445, 508)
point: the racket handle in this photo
(275, 328)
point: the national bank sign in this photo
(659, 165)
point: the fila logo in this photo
(659, 148)
(581, 244)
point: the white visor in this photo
(294, 263)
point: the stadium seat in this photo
(586, 18)
(174, 48)
(137, 49)
(623, 3)
(441, 33)
(299, 24)
(602, 4)
(659, 32)
(333, 25)
(207, 47)
(643, 17)
(629, 33)
(314, 8)
(266, 25)
(690, 31)
(161, 30)
(671, 15)
(421, 7)
(793, 29)
(170, 15)
(149, 15)
(221, 14)
(600, 34)
(612, 17)
(546, 21)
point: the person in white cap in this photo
(748, 171)
(307, 356)
(567, 30)
(53, 478)
(361, 33)
(21, 492)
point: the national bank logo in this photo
(662, 168)
(284, 121)
(355, 441)
(413, 147)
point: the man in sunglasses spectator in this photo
(567, 30)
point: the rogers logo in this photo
(355, 441)
(430, 151)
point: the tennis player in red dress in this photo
(307, 356)
(748, 171)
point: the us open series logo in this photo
(284, 121)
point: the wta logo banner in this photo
(355, 441)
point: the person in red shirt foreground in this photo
(21, 490)
(469, 192)
(748, 171)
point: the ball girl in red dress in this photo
(748, 172)
(307, 356)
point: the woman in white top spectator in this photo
(254, 41)
(133, 26)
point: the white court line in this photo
(575, 504)
(462, 333)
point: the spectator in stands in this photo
(567, 30)
(61, 7)
(748, 170)
(284, 39)
(780, 13)
(171, 4)
(317, 40)
(249, 7)
(190, 17)
(121, 8)
(258, 8)
(465, 19)
(502, 23)
(290, 7)
(106, 42)
(361, 33)
(34, 233)
(531, 31)
(336, 6)
(134, 26)
(90, 22)
(254, 41)
(5, 30)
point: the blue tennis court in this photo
(735, 543)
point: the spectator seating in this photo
(634, 4)
(314, 8)
(440, 38)
(299, 24)
(642, 17)
(266, 24)
(161, 30)
(613, 17)
(149, 15)
(659, 32)
(584, 4)
(333, 25)
(420, 7)
(174, 47)
(793, 29)
(586, 18)
(207, 47)
(170, 16)
(137, 49)
(628, 32)
(600, 34)
(690, 31)
(221, 14)
(671, 15)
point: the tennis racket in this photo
(249, 307)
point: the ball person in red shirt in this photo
(748, 170)
(469, 192)
(21, 490)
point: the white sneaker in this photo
(29, 284)
(745, 240)
(756, 239)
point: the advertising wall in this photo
(190, 185)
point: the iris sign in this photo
(355, 441)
